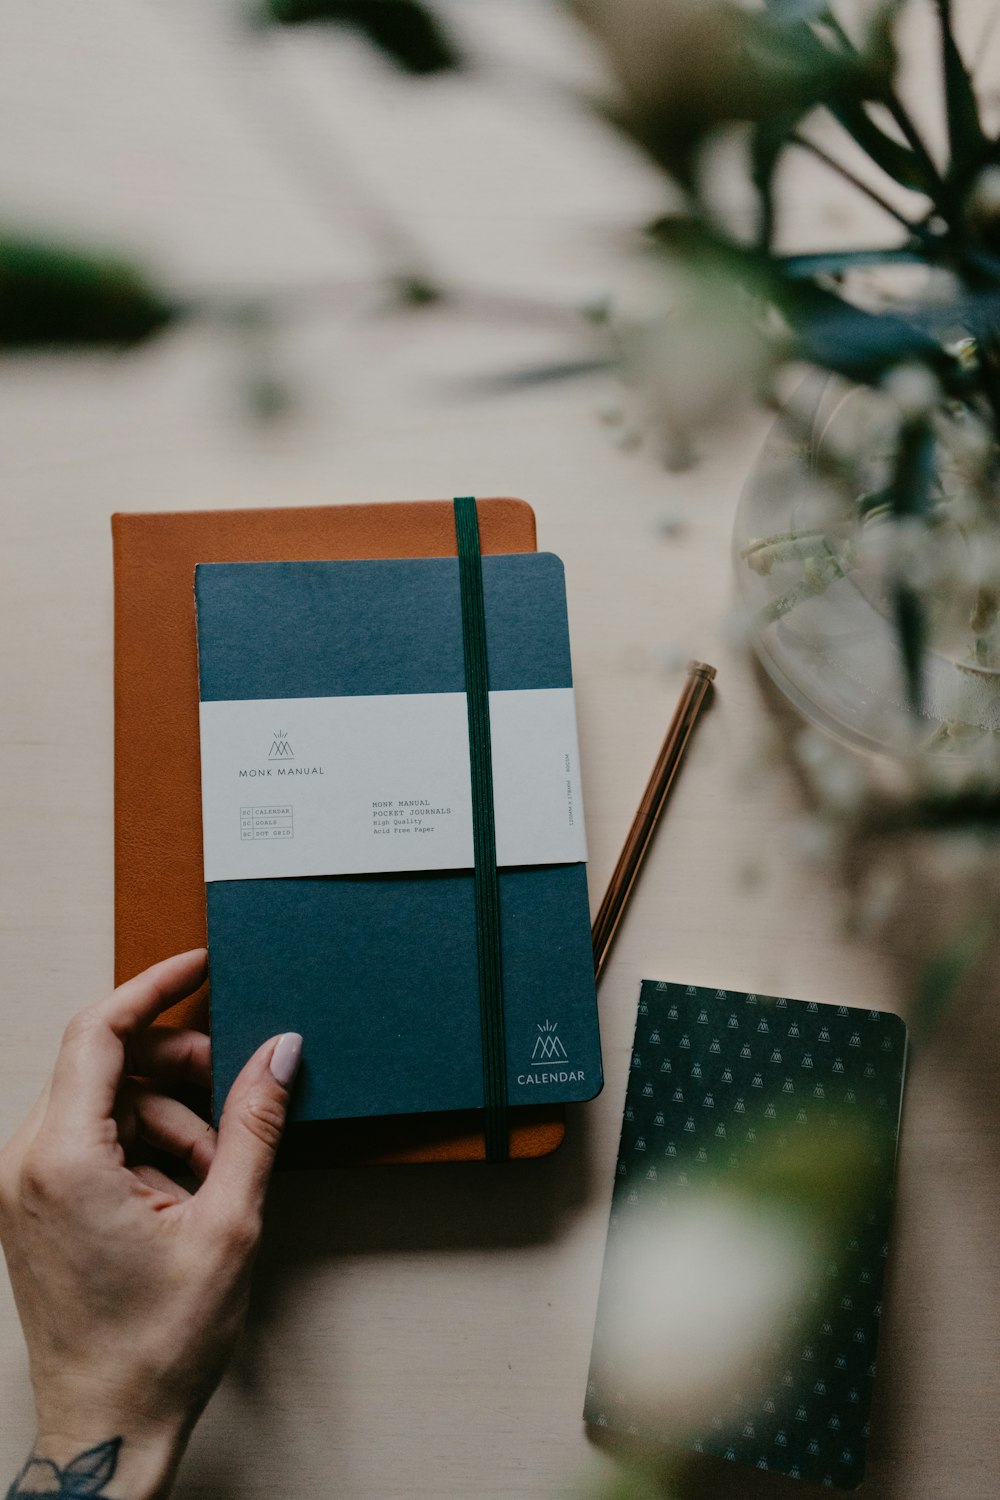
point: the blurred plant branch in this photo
(406, 31)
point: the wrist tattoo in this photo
(83, 1478)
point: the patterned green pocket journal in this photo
(775, 1119)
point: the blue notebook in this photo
(377, 968)
(744, 1111)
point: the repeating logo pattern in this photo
(717, 1079)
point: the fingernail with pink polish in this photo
(286, 1057)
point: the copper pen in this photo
(640, 835)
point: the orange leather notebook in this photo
(159, 887)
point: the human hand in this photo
(131, 1290)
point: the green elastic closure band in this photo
(488, 951)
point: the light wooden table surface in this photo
(422, 1333)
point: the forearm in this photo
(127, 1466)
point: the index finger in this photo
(91, 1059)
(139, 1001)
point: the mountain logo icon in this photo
(281, 746)
(548, 1044)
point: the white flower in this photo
(837, 779)
(695, 1289)
(983, 205)
(877, 900)
(815, 840)
(670, 522)
(901, 550)
(612, 414)
(698, 363)
(812, 749)
(970, 442)
(914, 389)
(958, 856)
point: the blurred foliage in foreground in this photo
(795, 78)
(912, 318)
(789, 77)
(55, 297)
(730, 101)
(407, 32)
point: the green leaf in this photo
(51, 297)
(895, 159)
(946, 971)
(708, 253)
(910, 488)
(872, 503)
(727, 63)
(629, 1481)
(968, 144)
(825, 328)
(862, 345)
(825, 1172)
(910, 497)
(799, 70)
(787, 12)
(415, 290)
(404, 30)
(911, 632)
(975, 811)
(532, 375)
(768, 139)
(839, 262)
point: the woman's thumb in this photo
(251, 1128)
